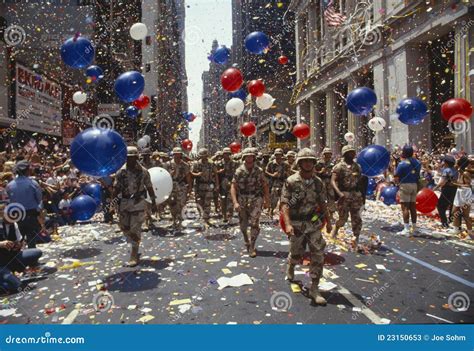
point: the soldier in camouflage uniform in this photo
(133, 183)
(205, 174)
(290, 163)
(249, 191)
(303, 204)
(277, 173)
(226, 169)
(346, 179)
(324, 171)
(182, 185)
(217, 158)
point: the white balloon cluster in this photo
(265, 101)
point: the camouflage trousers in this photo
(227, 208)
(249, 216)
(177, 201)
(308, 234)
(330, 196)
(275, 195)
(352, 203)
(204, 198)
(131, 225)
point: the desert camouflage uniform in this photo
(305, 198)
(348, 179)
(277, 182)
(225, 183)
(132, 185)
(204, 186)
(326, 178)
(179, 194)
(249, 186)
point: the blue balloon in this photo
(77, 52)
(95, 72)
(221, 56)
(371, 186)
(83, 208)
(412, 111)
(361, 101)
(241, 94)
(132, 111)
(94, 190)
(129, 86)
(257, 42)
(374, 160)
(98, 152)
(389, 195)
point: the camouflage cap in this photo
(327, 150)
(177, 151)
(347, 148)
(203, 153)
(278, 151)
(306, 154)
(250, 151)
(291, 154)
(226, 150)
(132, 151)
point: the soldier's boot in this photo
(315, 294)
(134, 257)
(247, 242)
(290, 272)
(252, 250)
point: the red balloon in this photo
(256, 88)
(232, 79)
(187, 144)
(301, 131)
(426, 201)
(456, 106)
(142, 102)
(248, 129)
(235, 147)
(283, 60)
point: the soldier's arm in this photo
(149, 188)
(285, 209)
(189, 180)
(334, 184)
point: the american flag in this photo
(332, 17)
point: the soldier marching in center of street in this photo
(226, 169)
(205, 174)
(304, 209)
(133, 183)
(324, 169)
(346, 180)
(276, 171)
(182, 185)
(249, 192)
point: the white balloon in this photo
(265, 101)
(162, 184)
(142, 143)
(234, 107)
(349, 137)
(79, 97)
(138, 31)
(147, 138)
(377, 124)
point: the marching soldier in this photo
(182, 185)
(147, 162)
(346, 180)
(324, 171)
(133, 183)
(276, 171)
(290, 163)
(206, 182)
(226, 170)
(216, 192)
(249, 191)
(303, 204)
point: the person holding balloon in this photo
(407, 174)
(463, 199)
(345, 179)
(249, 191)
(133, 183)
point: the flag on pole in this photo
(331, 16)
